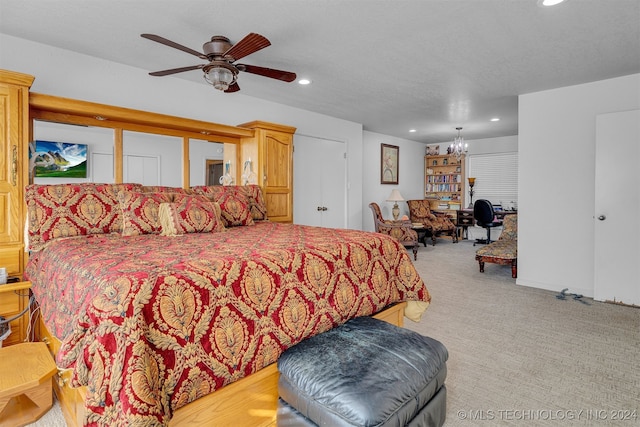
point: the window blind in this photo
(496, 177)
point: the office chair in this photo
(484, 216)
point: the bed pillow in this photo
(165, 189)
(257, 205)
(181, 197)
(191, 215)
(234, 210)
(140, 212)
(252, 194)
(66, 210)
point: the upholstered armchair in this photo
(436, 223)
(400, 229)
(504, 250)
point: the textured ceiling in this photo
(430, 65)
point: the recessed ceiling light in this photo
(495, 119)
(549, 2)
(304, 81)
(412, 130)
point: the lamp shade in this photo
(395, 196)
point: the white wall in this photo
(556, 180)
(68, 74)
(410, 177)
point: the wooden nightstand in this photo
(25, 383)
(14, 298)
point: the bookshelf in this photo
(444, 180)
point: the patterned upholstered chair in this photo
(504, 250)
(436, 223)
(401, 230)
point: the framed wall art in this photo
(389, 169)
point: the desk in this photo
(464, 219)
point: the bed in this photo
(157, 299)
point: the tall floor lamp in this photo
(472, 182)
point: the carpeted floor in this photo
(520, 356)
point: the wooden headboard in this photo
(269, 145)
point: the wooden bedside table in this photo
(25, 383)
(14, 298)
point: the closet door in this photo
(617, 208)
(319, 182)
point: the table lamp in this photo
(396, 197)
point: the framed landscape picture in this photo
(49, 159)
(389, 169)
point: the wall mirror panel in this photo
(206, 161)
(152, 159)
(99, 151)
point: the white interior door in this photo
(617, 208)
(319, 176)
(144, 170)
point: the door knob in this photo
(602, 217)
(321, 208)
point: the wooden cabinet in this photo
(14, 131)
(444, 182)
(271, 153)
(14, 298)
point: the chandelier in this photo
(458, 147)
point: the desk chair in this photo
(485, 217)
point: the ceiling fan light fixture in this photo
(220, 76)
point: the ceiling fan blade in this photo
(285, 76)
(175, 45)
(175, 70)
(251, 43)
(233, 88)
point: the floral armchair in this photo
(400, 229)
(504, 250)
(436, 223)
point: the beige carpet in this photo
(520, 356)
(517, 355)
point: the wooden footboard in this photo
(250, 401)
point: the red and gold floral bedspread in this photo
(151, 323)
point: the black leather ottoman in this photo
(366, 372)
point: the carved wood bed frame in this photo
(251, 401)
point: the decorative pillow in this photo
(140, 212)
(234, 210)
(180, 197)
(251, 193)
(164, 189)
(65, 210)
(213, 192)
(257, 204)
(192, 215)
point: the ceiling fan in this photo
(221, 70)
